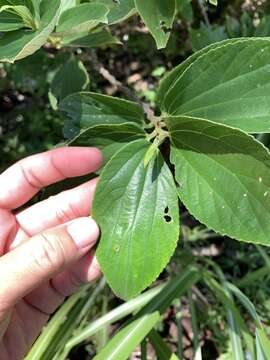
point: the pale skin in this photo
(46, 250)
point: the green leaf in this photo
(10, 22)
(185, 8)
(87, 109)
(126, 340)
(16, 45)
(223, 176)
(158, 16)
(67, 4)
(92, 39)
(83, 17)
(69, 79)
(109, 138)
(229, 84)
(174, 76)
(23, 12)
(137, 210)
(120, 10)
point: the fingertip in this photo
(94, 271)
(84, 232)
(77, 161)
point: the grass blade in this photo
(119, 313)
(125, 341)
(161, 348)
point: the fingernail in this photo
(84, 232)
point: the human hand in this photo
(45, 250)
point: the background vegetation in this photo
(29, 124)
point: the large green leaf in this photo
(70, 78)
(83, 17)
(18, 44)
(174, 76)
(228, 84)
(119, 10)
(137, 210)
(224, 177)
(87, 109)
(158, 16)
(109, 138)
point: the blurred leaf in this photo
(120, 10)
(205, 36)
(158, 16)
(263, 29)
(81, 18)
(185, 9)
(101, 37)
(161, 348)
(71, 77)
(18, 44)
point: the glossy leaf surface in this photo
(137, 210)
(229, 84)
(223, 176)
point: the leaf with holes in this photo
(158, 16)
(224, 177)
(137, 210)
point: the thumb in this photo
(42, 257)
